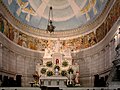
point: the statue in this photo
(77, 80)
(36, 78)
(48, 53)
(67, 52)
(57, 61)
(57, 46)
(48, 50)
(38, 68)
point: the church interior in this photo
(59, 44)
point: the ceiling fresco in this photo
(67, 14)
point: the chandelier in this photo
(50, 27)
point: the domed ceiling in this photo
(67, 14)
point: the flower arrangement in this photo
(43, 70)
(70, 70)
(64, 63)
(64, 73)
(49, 64)
(49, 73)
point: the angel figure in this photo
(22, 5)
(87, 7)
(77, 80)
(29, 11)
(10, 1)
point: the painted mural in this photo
(74, 44)
(40, 44)
(35, 12)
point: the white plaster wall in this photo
(98, 59)
(18, 60)
(99, 62)
(15, 64)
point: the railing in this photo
(20, 88)
(66, 88)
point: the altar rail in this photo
(91, 88)
(67, 88)
(20, 88)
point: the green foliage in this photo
(49, 73)
(64, 63)
(49, 64)
(57, 67)
(70, 70)
(64, 73)
(43, 70)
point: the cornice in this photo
(88, 27)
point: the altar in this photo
(57, 69)
(53, 81)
